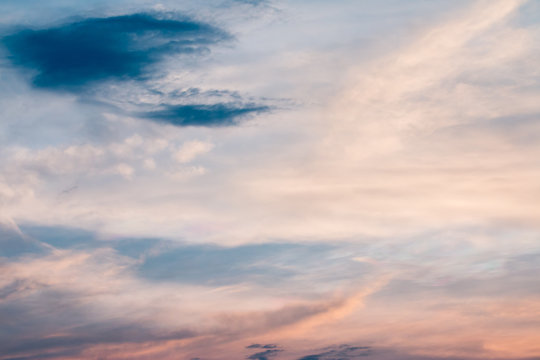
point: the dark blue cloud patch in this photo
(340, 352)
(260, 346)
(89, 57)
(264, 355)
(84, 52)
(268, 351)
(221, 114)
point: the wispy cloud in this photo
(340, 352)
(203, 115)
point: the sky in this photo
(270, 179)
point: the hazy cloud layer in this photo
(383, 194)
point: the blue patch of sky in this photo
(177, 261)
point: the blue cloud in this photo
(221, 114)
(341, 352)
(269, 351)
(264, 355)
(84, 52)
(260, 346)
(76, 56)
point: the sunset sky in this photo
(270, 179)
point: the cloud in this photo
(90, 57)
(87, 335)
(259, 346)
(252, 2)
(191, 149)
(264, 355)
(424, 149)
(84, 52)
(341, 352)
(270, 351)
(93, 289)
(223, 114)
(95, 293)
(49, 312)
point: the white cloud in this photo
(191, 149)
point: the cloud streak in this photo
(204, 115)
